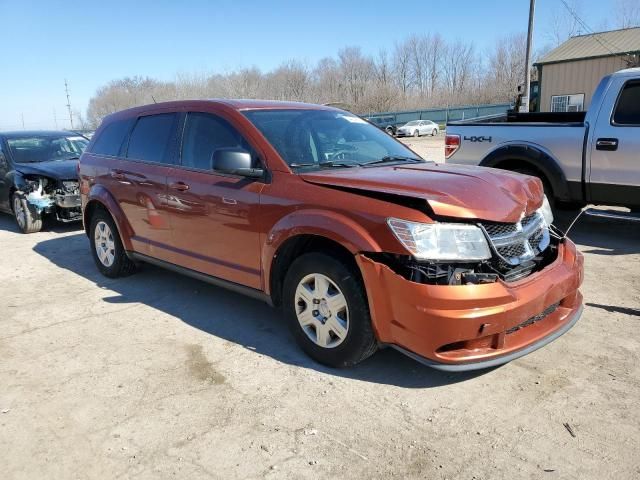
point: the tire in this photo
(434, 132)
(28, 219)
(389, 130)
(113, 262)
(416, 133)
(346, 336)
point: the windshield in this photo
(42, 148)
(323, 138)
(411, 123)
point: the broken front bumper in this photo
(469, 327)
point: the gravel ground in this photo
(161, 376)
(430, 148)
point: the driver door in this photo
(214, 217)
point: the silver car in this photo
(415, 128)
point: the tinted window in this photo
(152, 138)
(111, 138)
(628, 107)
(203, 134)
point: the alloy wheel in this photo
(322, 310)
(20, 212)
(104, 244)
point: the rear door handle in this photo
(180, 186)
(607, 144)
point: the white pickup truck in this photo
(580, 158)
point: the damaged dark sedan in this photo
(38, 177)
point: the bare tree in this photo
(627, 13)
(402, 66)
(563, 24)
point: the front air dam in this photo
(470, 327)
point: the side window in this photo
(627, 110)
(203, 134)
(152, 138)
(111, 138)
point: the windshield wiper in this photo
(325, 164)
(393, 159)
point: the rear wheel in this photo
(28, 219)
(106, 247)
(434, 132)
(327, 310)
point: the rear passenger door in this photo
(142, 179)
(214, 216)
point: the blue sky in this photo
(90, 43)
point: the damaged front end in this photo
(47, 196)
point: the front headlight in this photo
(546, 212)
(441, 241)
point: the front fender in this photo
(101, 195)
(331, 225)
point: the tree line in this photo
(421, 71)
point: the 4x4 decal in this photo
(475, 139)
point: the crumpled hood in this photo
(56, 169)
(454, 191)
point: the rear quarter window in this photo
(111, 139)
(627, 110)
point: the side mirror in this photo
(234, 161)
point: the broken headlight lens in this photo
(545, 211)
(441, 241)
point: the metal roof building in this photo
(570, 73)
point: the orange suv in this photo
(360, 241)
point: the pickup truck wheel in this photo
(27, 218)
(327, 310)
(106, 247)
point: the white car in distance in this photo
(416, 128)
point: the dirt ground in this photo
(160, 376)
(430, 148)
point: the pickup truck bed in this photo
(581, 157)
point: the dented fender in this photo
(327, 224)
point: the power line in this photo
(588, 29)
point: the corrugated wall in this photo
(580, 76)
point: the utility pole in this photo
(66, 89)
(526, 97)
(22, 116)
(55, 118)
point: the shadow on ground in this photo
(257, 327)
(8, 224)
(231, 316)
(603, 236)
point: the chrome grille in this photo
(516, 243)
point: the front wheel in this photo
(28, 219)
(327, 310)
(416, 133)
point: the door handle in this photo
(229, 201)
(607, 144)
(117, 175)
(180, 186)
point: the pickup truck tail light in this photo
(451, 145)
